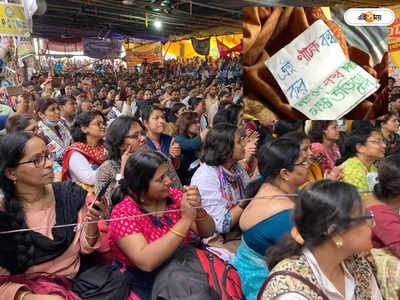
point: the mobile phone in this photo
(100, 195)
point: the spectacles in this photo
(303, 164)
(40, 161)
(100, 124)
(135, 136)
(370, 219)
(379, 141)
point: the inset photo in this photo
(319, 63)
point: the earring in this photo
(339, 244)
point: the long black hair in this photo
(228, 115)
(12, 150)
(317, 130)
(139, 170)
(320, 205)
(115, 135)
(83, 120)
(272, 157)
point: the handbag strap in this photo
(311, 285)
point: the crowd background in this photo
(299, 208)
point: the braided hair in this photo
(12, 149)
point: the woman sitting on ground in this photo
(30, 259)
(221, 181)
(362, 149)
(87, 153)
(283, 168)
(142, 244)
(384, 203)
(189, 139)
(124, 136)
(389, 126)
(56, 136)
(320, 258)
(314, 171)
(324, 135)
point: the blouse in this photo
(386, 232)
(327, 287)
(206, 179)
(152, 228)
(67, 264)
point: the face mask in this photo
(78, 102)
(340, 123)
(50, 123)
(236, 98)
(121, 103)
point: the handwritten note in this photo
(316, 77)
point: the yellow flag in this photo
(147, 20)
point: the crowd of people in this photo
(301, 209)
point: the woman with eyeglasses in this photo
(87, 153)
(221, 181)
(384, 203)
(29, 260)
(283, 167)
(124, 136)
(319, 258)
(56, 136)
(362, 149)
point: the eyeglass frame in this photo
(371, 216)
(46, 157)
(304, 164)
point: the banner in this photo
(61, 45)
(394, 32)
(202, 47)
(225, 50)
(25, 48)
(13, 22)
(151, 52)
(99, 48)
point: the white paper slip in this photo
(304, 68)
(338, 94)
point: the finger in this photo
(173, 141)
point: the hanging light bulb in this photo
(157, 24)
(127, 2)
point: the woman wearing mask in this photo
(320, 258)
(56, 136)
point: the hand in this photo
(94, 214)
(192, 195)
(124, 158)
(188, 211)
(203, 134)
(336, 174)
(318, 158)
(174, 149)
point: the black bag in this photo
(195, 274)
(101, 282)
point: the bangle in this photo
(181, 235)
(23, 294)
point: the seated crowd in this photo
(300, 209)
